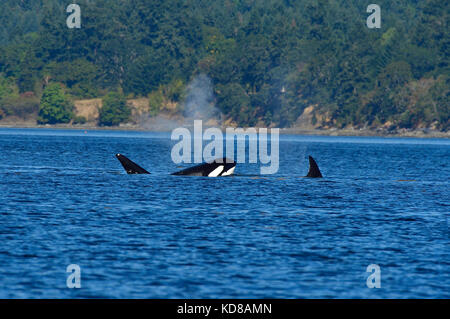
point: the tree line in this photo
(268, 59)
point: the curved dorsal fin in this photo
(314, 170)
(130, 166)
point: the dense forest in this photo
(268, 60)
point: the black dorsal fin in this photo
(130, 166)
(314, 170)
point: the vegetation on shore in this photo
(268, 60)
(54, 107)
(114, 110)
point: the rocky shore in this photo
(166, 125)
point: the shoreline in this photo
(406, 133)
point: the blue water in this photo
(65, 199)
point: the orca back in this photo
(218, 167)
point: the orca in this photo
(130, 166)
(218, 167)
(314, 171)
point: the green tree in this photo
(7, 88)
(155, 101)
(55, 107)
(114, 110)
(320, 51)
(78, 75)
(232, 99)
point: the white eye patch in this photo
(216, 172)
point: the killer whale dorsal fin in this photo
(314, 170)
(130, 166)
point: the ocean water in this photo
(65, 200)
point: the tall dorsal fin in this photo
(314, 170)
(130, 166)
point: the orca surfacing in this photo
(218, 167)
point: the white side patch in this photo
(229, 172)
(216, 172)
